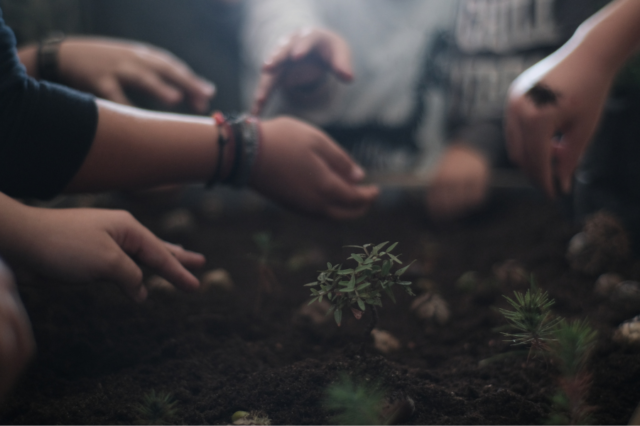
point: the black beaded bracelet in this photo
(47, 57)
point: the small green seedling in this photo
(157, 408)
(532, 319)
(363, 285)
(358, 403)
(268, 281)
(250, 418)
(571, 347)
(354, 403)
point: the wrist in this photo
(28, 58)
(48, 55)
(238, 149)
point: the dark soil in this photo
(218, 352)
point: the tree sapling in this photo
(265, 244)
(357, 403)
(571, 347)
(157, 408)
(532, 319)
(355, 288)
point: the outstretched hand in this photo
(106, 67)
(16, 339)
(88, 245)
(301, 167)
(553, 109)
(301, 62)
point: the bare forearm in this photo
(612, 35)
(134, 148)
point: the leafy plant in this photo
(572, 345)
(354, 403)
(532, 318)
(362, 285)
(157, 408)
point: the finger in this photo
(568, 154)
(188, 258)
(340, 60)
(341, 193)
(536, 129)
(338, 159)
(304, 44)
(265, 86)
(152, 252)
(154, 85)
(110, 89)
(281, 55)
(124, 272)
(200, 91)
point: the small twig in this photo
(373, 323)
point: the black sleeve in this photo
(46, 130)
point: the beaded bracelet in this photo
(243, 133)
(223, 126)
(47, 57)
(246, 133)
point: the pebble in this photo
(307, 258)
(602, 244)
(316, 312)
(178, 221)
(467, 282)
(626, 291)
(510, 271)
(156, 283)
(628, 331)
(384, 341)
(217, 278)
(431, 306)
(607, 283)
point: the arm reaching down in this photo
(554, 107)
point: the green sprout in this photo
(363, 285)
(267, 281)
(354, 403)
(250, 418)
(572, 345)
(157, 408)
(532, 318)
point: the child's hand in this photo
(553, 109)
(105, 67)
(459, 182)
(87, 245)
(301, 63)
(302, 168)
(16, 340)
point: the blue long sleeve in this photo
(46, 130)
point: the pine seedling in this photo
(354, 403)
(571, 347)
(532, 318)
(264, 242)
(250, 418)
(157, 408)
(363, 285)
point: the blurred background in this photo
(203, 33)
